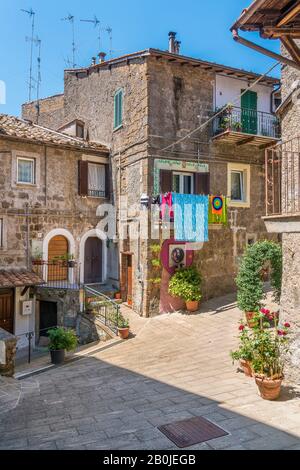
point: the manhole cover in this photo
(191, 431)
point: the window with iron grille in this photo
(96, 180)
(26, 170)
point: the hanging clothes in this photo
(190, 217)
(166, 207)
(218, 209)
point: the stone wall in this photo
(49, 112)
(8, 344)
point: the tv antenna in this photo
(37, 42)
(31, 15)
(70, 18)
(109, 32)
(96, 24)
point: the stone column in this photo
(8, 344)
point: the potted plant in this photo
(37, 258)
(186, 284)
(244, 354)
(269, 348)
(123, 326)
(61, 340)
(250, 292)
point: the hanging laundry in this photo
(166, 208)
(217, 210)
(190, 217)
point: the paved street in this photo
(176, 366)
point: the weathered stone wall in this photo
(8, 344)
(49, 114)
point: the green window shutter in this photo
(118, 105)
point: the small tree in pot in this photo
(186, 284)
(123, 326)
(61, 340)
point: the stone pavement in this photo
(177, 366)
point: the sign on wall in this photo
(27, 307)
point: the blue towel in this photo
(190, 217)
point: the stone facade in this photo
(162, 101)
(8, 344)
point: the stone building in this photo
(51, 186)
(140, 105)
(280, 19)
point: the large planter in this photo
(57, 356)
(246, 367)
(123, 333)
(192, 305)
(269, 389)
(250, 319)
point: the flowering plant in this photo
(245, 350)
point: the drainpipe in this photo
(272, 95)
(263, 50)
(28, 261)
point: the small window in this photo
(96, 180)
(1, 233)
(26, 170)
(237, 186)
(79, 130)
(183, 183)
(118, 109)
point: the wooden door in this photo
(7, 310)
(58, 270)
(93, 260)
(129, 280)
(249, 112)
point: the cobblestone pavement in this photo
(177, 366)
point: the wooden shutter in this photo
(82, 178)
(107, 182)
(202, 183)
(165, 181)
(118, 108)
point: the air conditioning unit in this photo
(26, 307)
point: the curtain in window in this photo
(25, 171)
(236, 186)
(96, 180)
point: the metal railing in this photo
(103, 308)
(58, 274)
(283, 179)
(247, 121)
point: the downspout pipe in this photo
(263, 50)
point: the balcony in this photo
(58, 274)
(241, 126)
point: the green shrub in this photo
(249, 280)
(186, 284)
(61, 338)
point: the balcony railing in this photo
(58, 274)
(102, 308)
(247, 121)
(283, 179)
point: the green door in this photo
(249, 112)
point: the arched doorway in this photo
(93, 250)
(58, 250)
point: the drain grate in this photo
(189, 432)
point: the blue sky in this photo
(203, 28)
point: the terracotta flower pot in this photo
(269, 389)
(250, 319)
(117, 295)
(246, 367)
(192, 305)
(123, 332)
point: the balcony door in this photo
(57, 257)
(249, 112)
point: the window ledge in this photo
(245, 205)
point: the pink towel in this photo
(166, 206)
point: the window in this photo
(1, 233)
(79, 130)
(239, 184)
(118, 109)
(183, 183)
(26, 170)
(93, 179)
(96, 180)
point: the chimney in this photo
(177, 47)
(94, 60)
(172, 41)
(101, 56)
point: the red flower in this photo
(241, 327)
(284, 333)
(280, 332)
(287, 325)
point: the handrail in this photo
(106, 310)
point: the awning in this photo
(18, 278)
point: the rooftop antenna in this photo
(71, 19)
(37, 41)
(96, 23)
(31, 15)
(109, 31)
